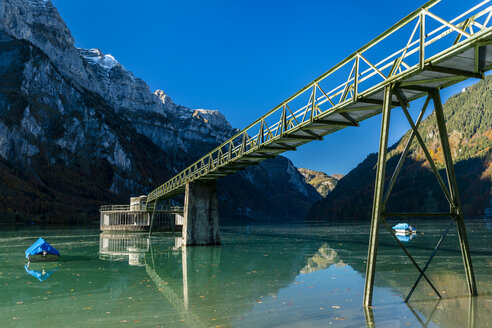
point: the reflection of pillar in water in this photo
(369, 317)
(184, 261)
(202, 269)
(136, 256)
(471, 312)
(178, 243)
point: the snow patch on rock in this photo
(96, 57)
(40, 3)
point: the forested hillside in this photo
(469, 122)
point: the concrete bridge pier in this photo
(201, 214)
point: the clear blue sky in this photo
(244, 57)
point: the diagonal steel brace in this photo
(404, 154)
(400, 96)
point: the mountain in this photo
(78, 130)
(469, 123)
(322, 182)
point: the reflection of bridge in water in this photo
(180, 274)
(194, 280)
(179, 302)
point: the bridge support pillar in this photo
(201, 214)
(377, 206)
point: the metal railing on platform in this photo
(172, 209)
(134, 219)
(108, 208)
(149, 208)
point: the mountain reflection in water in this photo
(261, 276)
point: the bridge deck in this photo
(431, 53)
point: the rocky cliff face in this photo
(78, 130)
(322, 182)
(469, 123)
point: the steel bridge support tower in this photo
(378, 196)
(381, 195)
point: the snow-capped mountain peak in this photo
(95, 56)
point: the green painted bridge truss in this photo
(430, 52)
(424, 53)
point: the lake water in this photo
(304, 275)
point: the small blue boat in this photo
(41, 251)
(404, 228)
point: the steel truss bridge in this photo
(353, 90)
(424, 53)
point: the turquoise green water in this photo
(261, 276)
